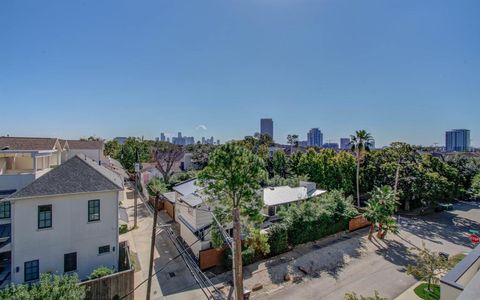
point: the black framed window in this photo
(93, 210)
(5, 210)
(31, 270)
(104, 249)
(44, 216)
(70, 262)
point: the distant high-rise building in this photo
(333, 146)
(183, 140)
(266, 127)
(345, 143)
(218, 142)
(120, 139)
(168, 140)
(315, 137)
(457, 140)
(162, 137)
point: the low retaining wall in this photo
(357, 223)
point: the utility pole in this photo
(152, 246)
(137, 169)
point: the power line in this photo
(161, 269)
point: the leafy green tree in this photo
(280, 163)
(49, 287)
(360, 143)
(128, 152)
(430, 265)
(231, 180)
(200, 154)
(475, 188)
(111, 148)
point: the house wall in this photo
(190, 239)
(70, 232)
(202, 217)
(3, 165)
(24, 163)
(95, 154)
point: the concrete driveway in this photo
(358, 265)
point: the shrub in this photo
(49, 287)
(101, 272)
(278, 239)
(123, 229)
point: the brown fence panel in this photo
(159, 205)
(210, 258)
(114, 286)
(170, 209)
(357, 223)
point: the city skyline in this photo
(228, 65)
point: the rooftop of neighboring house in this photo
(170, 196)
(79, 174)
(84, 145)
(192, 200)
(27, 143)
(285, 194)
(187, 187)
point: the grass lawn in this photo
(421, 291)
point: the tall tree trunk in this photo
(397, 175)
(358, 179)
(152, 247)
(370, 233)
(237, 256)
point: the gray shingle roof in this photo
(82, 145)
(76, 175)
(27, 143)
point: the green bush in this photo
(100, 272)
(278, 239)
(317, 218)
(123, 229)
(49, 287)
(248, 257)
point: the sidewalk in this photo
(139, 240)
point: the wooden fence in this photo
(210, 258)
(357, 223)
(114, 286)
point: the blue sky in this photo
(404, 70)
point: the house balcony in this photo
(19, 178)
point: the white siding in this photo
(70, 232)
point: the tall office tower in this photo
(266, 127)
(457, 140)
(162, 137)
(218, 142)
(315, 137)
(344, 143)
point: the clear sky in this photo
(402, 69)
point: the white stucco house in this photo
(192, 213)
(24, 159)
(65, 221)
(92, 149)
(277, 197)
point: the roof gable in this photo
(28, 143)
(76, 175)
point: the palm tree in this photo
(360, 143)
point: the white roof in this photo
(187, 187)
(285, 194)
